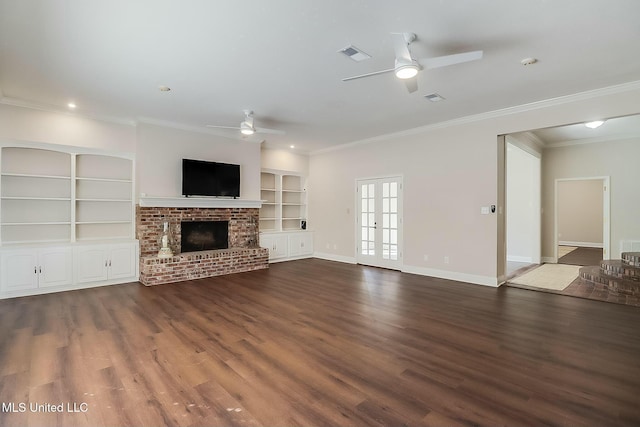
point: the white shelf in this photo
(36, 223)
(31, 175)
(102, 222)
(63, 199)
(127, 181)
(104, 200)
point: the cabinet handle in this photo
(109, 263)
(106, 263)
(35, 270)
(40, 269)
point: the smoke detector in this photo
(528, 61)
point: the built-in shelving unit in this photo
(284, 207)
(54, 196)
(284, 201)
(104, 194)
(66, 218)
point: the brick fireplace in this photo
(242, 254)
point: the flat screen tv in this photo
(202, 178)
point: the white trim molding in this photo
(197, 202)
(452, 275)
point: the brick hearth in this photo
(243, 253)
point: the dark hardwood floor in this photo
(582, 256)
(318, 343)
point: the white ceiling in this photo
(279, 58)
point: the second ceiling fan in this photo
(247, 127)
(407, 68)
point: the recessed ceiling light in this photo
(164, 88)
(292, 146)
(594, 124)
(71, 105)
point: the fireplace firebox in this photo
(204, 235)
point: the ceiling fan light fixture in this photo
(246, 129)
(406, 71)
(594, 124)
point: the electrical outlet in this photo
(426, 258)
(446, 260)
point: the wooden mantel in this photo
(197, 202)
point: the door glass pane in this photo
(385, 189)
(394, 189)
(364, 191)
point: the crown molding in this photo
(532, 106)
(51, 108)
(595, 140)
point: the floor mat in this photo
(549, 276)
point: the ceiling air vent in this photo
(354, 53)
(434, 97)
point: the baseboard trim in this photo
(548, 260)
(581, 244)
(421, 271)
(334, 257)
(515, 258)
(452, 275)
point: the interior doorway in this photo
(581, 220)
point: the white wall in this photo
(617, 159)
(450, 171)
(160, 151)
(26, 124)
(285, 160)
(580, 214)
(523, 205)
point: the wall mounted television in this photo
(203, 178)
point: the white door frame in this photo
(606, 214)
(395, 265)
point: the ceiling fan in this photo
(247, 127)
(406, 67)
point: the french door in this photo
(379, 223)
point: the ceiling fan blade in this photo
(401, 46)
(271, 131)
(444, 61)
(223, 127)
(412, 84)
(374, 73)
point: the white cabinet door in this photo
(55, 267)
(36, 268)
(276, 243)
(122, 261)
(92, 263)
(106, 262)
(300, 244)
(19, 270)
